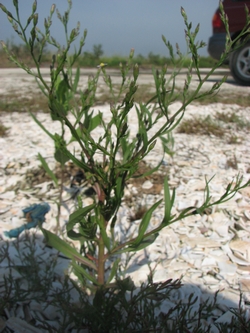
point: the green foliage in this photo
(233, 118)
(124, 309)
(92, 59)
(220, 125)
(119, 151)
(201, 126)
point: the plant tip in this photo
(52, 9)
(34, 7)
(131, 54)
(183, 13)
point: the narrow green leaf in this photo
(167, 200)
(77, 236)
(173, 198)
(188, 211)
(79, 163)
(42, 127)
(142, 245)
(77, 215)
(114, 270)
(145, 222)
(207, 191)
(79, 133)
(149, 172)
(62, 91)
(144, 137)
(151, 146)
(168, 143)
(95, 121)
(145, 111)
(47, 169)
(119, 187)
(87, 117)
(76, 81)
(81, 271)
(70, 252)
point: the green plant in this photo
(34, 282)
(233, 118)
(210, 125)
(111, 159)
(19, 103)
(201, 126)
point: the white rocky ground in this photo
(211, 252)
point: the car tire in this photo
(239, 63)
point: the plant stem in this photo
(60, 198)
(101, 261)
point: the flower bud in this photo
(4, 46)
(15, 27)
(34, 6)
(46, 25)
(183, 13)
(66, 17)
(221, 6)
(10, 19)
(35, 19)
(6, 11)
(164, 69)
(124, 129)
(136, 71)
(3, 8)
(72, 34)
(15, 3)
(197, 29)
(52, 9)
(131, 54)
(59, 15)
(82, 42)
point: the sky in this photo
(119, 25)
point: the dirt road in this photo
(14, 80)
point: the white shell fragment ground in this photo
(210, 252)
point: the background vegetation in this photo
(93, 58)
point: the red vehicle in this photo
(239, 60)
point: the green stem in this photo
(190, 211)
(167, 126)
(60, 200)
(38, 75)
(101, 262)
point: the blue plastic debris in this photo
(34, 214)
